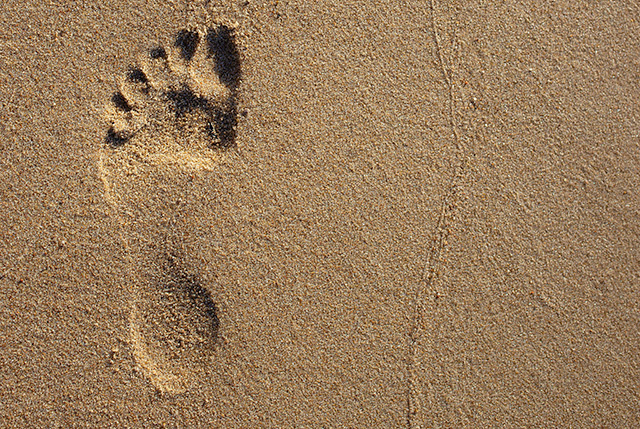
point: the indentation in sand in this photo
(174, 112)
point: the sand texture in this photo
(319, 214)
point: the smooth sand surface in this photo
(430, 218)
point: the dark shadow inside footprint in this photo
(221, 45)
(187, 42)
(116, 139)
(223, 127)
(157, 53)
(136, 75)
(120, 102)
(185, 100)
(193, 313)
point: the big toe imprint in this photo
(175, 110)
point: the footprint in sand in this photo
(173, 115)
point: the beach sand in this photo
(427, 215)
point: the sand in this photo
(427, 215)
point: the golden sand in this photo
(386, 214)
